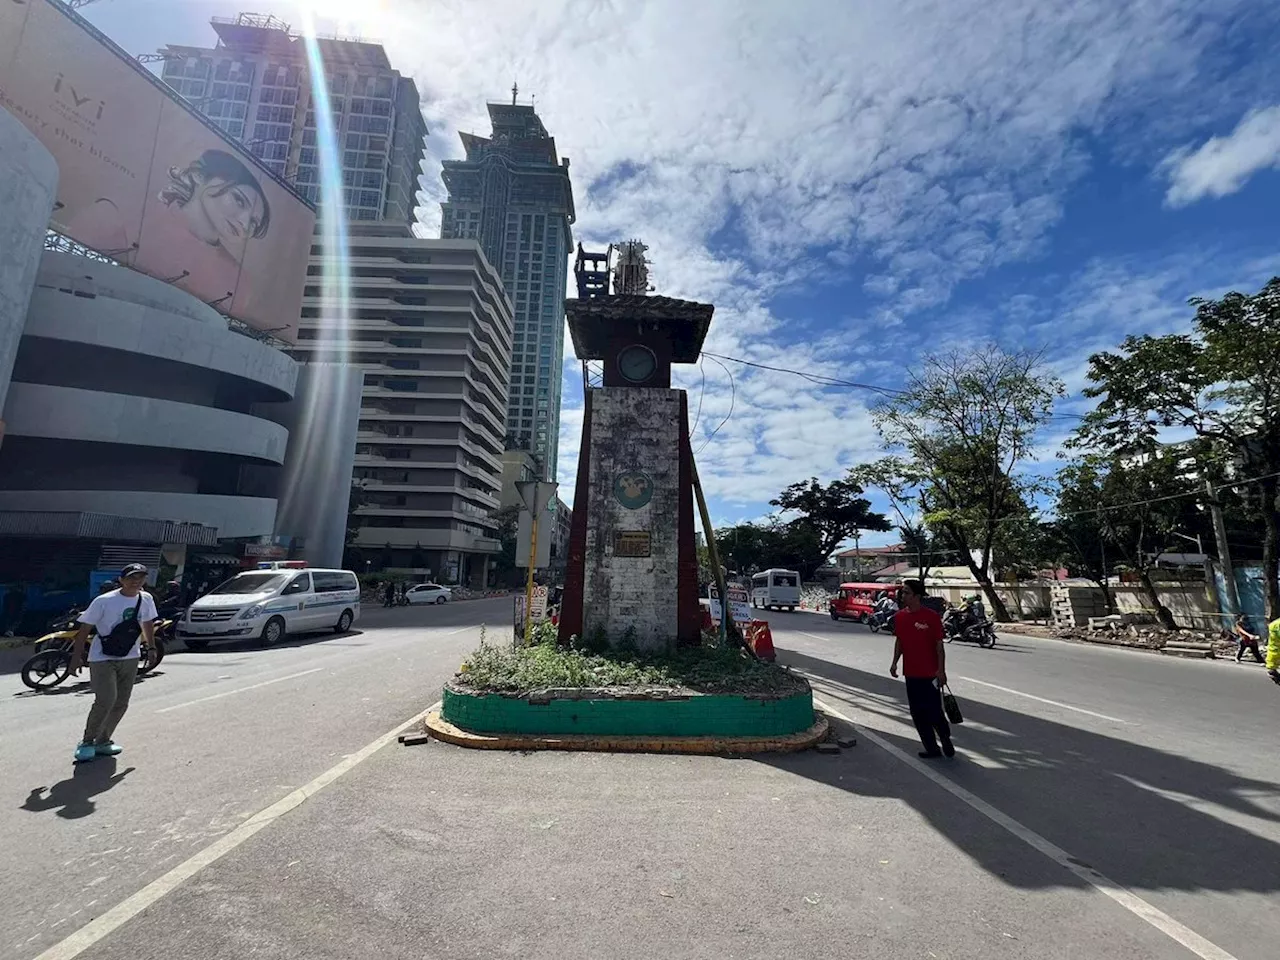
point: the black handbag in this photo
(119, 642)
(951, 706)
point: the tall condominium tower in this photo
(255, 84)
(512, 194)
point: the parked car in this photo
(271, 603)
(429, 593)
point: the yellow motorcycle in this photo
(51, 663)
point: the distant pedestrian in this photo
(389, 597)
(918, 637)
(121, 618)
(1245, 640)
(1273, 651)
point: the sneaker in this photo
(108, 749)
(85, 752)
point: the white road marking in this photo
(1032, 696)
(126, 910)
(1205, 949)
(228, 693)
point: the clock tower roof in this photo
(595, 324)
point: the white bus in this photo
(776, 588)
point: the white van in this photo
(776, 588)
(270, 604)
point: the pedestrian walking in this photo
(1245, 640)
(389, 598)
(918, 637)
(121, 618)
(1273, 651)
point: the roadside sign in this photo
(538, 610)
(739, 604)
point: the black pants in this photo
(1251, 646)
(925, 701)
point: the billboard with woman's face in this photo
(144, 180)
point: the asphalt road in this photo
(1105, 803)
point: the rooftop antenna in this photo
(514, 90)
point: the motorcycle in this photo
(881, 620)
(50, 665)
(977, 629)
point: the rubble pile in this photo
(1139, 630)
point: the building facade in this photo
(132, 417)
(431, 328)
(256, 85)
(512, 194)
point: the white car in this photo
(429, 593)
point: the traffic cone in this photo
(761, 639)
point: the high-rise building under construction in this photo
(512, 193)
(255, 85)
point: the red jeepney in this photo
(857, 601)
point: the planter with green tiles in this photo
(612, 711)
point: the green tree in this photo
(1142, 505)
(1220, 383)
(506, 520)
(829, 515)
(902, 485)
(965, 426)
(1078, 533)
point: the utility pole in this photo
(1224, 551)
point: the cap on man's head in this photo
(132, 570)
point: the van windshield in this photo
(250, 583)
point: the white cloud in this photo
(765, 148)
(1222, 165)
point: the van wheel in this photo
(863, 618)
(440, 599)
(834, 615)
(273, 632)
(344, 622)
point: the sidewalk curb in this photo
(441, 729)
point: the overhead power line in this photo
(822, 380)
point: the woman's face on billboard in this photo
(225, 215)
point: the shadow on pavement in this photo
(253, 643)
(72, 798)
(1127, 809)
(78, 686)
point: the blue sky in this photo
(852, 183)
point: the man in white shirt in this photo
(111, 675)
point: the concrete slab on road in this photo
(210, 739)
(437, 851)
(440, 852)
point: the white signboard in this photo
(538, 609)
(739, 604)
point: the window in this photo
(300, 584)
(334, 582)
(401, 363)
(403, 386)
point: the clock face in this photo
(637, 363)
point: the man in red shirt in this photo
(918, 645)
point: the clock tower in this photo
(632, 570)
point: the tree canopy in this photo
(962, 430)
(828, 515)
(1219, 384)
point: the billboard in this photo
(145, 180)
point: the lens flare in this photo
(316, 485)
